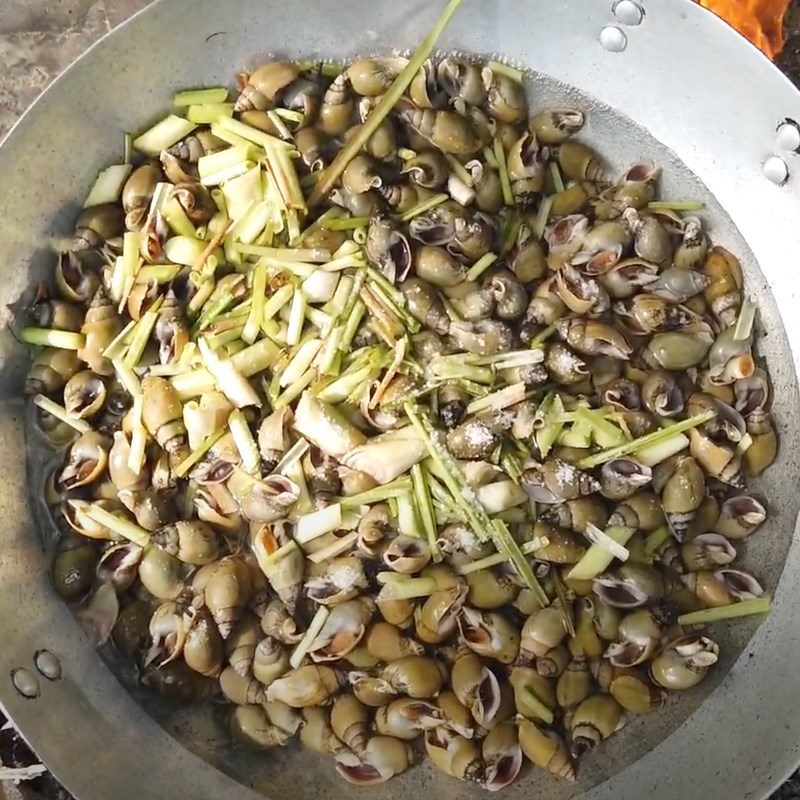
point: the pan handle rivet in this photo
(613, 39)
(48, 664)
(628, 12)
(25, 682)
(787, 137)
(776, 170)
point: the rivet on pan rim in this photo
(787, 136)
(25, 682)
(48, 665)
(628, 12)
(613, 39)
(776, 170)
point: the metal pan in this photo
(679, 88)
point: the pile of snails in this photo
(396, 511)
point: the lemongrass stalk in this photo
(163, 135)
(510, 230)
(384, 107)
(318, 318)
(127, 148)
(279, 124)
(223, 159)
(136, 456)
(379, 494)
(410, 323)
(502, 170)
(344, 223)
(294, 471)
(424, 206)
(514, 358)
(229, 380)
(481, 564)
(300, 362)
(661, 451)
(279, 554)
(253, 325)
(141, 336)
(598, 558)
(480, 266)
(119, 343)
(176, 218)
(337, 548)
(166, 370)
(244, 441)
(390, 577)
(203, 291)
(310, 254)
(407, 589)
(360, 236)
(459, 170)
(160, 273)
(535, 706)
(505, 543)
(537, 543)
(744, 608)
(343, 387)
(453, 369)
(290, 115)
(125, 267)
(284, 173)
(182, 469)
(127, 377)
(314, 628)
(107, 187)
(425, 509)
(291, 457)
(542, 215)
(351, 325)
(184, 250)
(497, 401)
(543, 336)
(192, 97)
(211, 310)
(318, 523)
(328, 70)
(745, 320)
(228, 174)
(647, 440)
(676, 205)
(297, 316)
(328, 355)
(52, 337)
(657, 539)
(251, 134)
(499, 68)
(488, 154)
(119, 525)
(598, 537)
(295, 390)
(226, 136)
(408, 520)
(207, 113)
(555, 176)
(278, 300)
(59, 412)
(606, 434)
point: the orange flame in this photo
(761, 21)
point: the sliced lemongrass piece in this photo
(127, 377)
(222, 159)
(542, 215)
(291, 457)
(163, 135)
(229, 380)
(497, 401)
(608, 543)
(182, 469)
(505, 543)
(744, 608)
(192, 97)
(377, 495)
(318, 523)
(537, 543)
(502, 170)
(51, 337)
(657, 539)
(278, 300)
(211, 311)
(251, 134)
(407, 589)
(295, 390)
(127, 148)
(59, 412)
(279, 124)
(354, 318)
(408, 521)
(119, 525)
(107, 187)
(300, 363)
(488, 154)
(537, 707)
(319, 287)
(185, 250)
(176, 218)
(277, 555)
(499, 68)
(244, 441)
(344, 223)
(337, 548)
(290, 115)
(543, 336)
(227, 174)
(606, 434)
(303, 646)
(661, 451)
(226, 136)
(424, 206)
(282, 169)
(384, 107)
(460, 171)
(676, 205)
(297, 316)
(444, 368)
(390, 577)
(310, 254)
(482, 563)
(141, 335)
(480, 266)
(500, 495)
(206, 113)
(118, 344)
(136, 456)
(425, 509)
(647, 440)
(745, 320)
(253, 325)
(598, 557)
(555, 175)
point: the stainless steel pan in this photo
(680, 88)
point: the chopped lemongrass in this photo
(497, 401)
(295, 390)
(337, 548)
(480, 266)
(207, 257)
(500, 68)
(745, 320)
(141, 335)
(176, 218)
(182, 469)
(297, 316)
(459, 170)
(407, 589)
(160, 273)
(192, 97)
(50, 337)
(425, 509)
(229, 380)
(227, 174)
(351, 325)
(304, 645)
(107, 188)
(488, 154)
(500, 495)
(390, 577)
(250, 133)
(502, 170)
(424, 206)
(555, 175)
(163, 135)
(535, 706)
(124, 527)
(212, 310)
(505, 543)
(127, 148)
(127, 377)
(657, 539)
(283, 172)
(291, 457)
(377, 495)
(384, 107)
(136, 456)
(661, 451)
(318, 523)
(118, 344)
(254, 319)
(244, 441)
(185, 250)
(278, 554)
(279, 124)
(537, 543)
(223, 159)
(344, 223)
(408, 521)
(207, 113)
(542, 215)
(606, 434)
(676, 205)
(744, 608)
(310, 254)
(598, 557)
(444, 368)
(647, 440)
(598, 537)
(292, 116)
(278, 300)
(483, 563)
(300, 363)
(543, 336)
(59, 412)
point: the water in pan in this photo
(294, 774)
